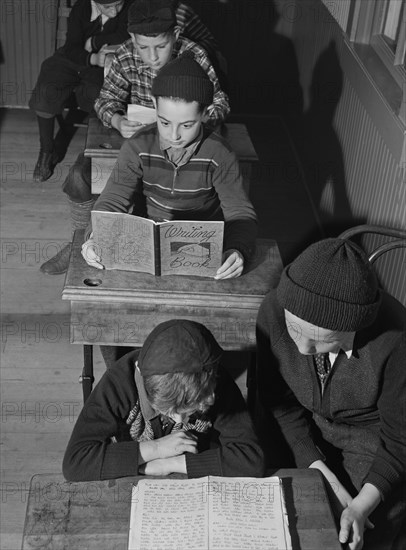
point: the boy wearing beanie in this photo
(154, 27)
(155, 40)
(167, 408)
(178, 169)
(331, 384)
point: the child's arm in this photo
(194, 29)
(238, 212)
(91, 453)
(115, 93)
(234, 448)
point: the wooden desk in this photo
(103, 145)
(95, 515)
(121, 308)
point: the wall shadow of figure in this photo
(320, 149)
(262, 70)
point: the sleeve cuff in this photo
(120, 460)
(203, 464)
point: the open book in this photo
(209, 513)
(132, 243)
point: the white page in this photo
(173, 516)
(138, 113)
(246, 513)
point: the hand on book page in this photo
(90, 254)
(233, 265)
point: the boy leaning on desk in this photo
(170, 407)
(179, 169)
(158, 30)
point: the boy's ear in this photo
(154, 101)
(205, 114)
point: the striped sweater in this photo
(207, 187)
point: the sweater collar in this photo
(96, 13)
(148, 412)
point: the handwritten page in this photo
(143, 115)
(209, 513)
(247, 513)
(165, 513)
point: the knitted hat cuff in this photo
(156, 23)
(324, 311)
(185, 87)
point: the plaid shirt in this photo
(129, 80)
(192, 28)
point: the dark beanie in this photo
(106, 1)
(151, 16)
(331, 285)
(184, 78)
(178, 345)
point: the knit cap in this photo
(331, 285)
(178, 345)
(151, 16)
(106, 1)
(184, 78)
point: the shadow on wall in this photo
(262, 69)
(320, 148)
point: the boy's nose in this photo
(175, 133)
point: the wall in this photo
(27, 30)
(350, 142)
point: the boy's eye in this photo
(187, 126)
(164, 123)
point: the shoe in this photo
(45, 165)
(59, 263)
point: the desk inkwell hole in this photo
(92, 282)
(106, 145)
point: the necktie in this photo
(323, 367)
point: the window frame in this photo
(364, 27)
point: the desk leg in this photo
(87, 378)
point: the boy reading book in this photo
(178, 169)
(168, 408)
(154, 27)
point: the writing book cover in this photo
(133, 243)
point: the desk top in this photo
(95, 515)
(103, 142)
(88, 283)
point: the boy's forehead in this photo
(142, 40)
(177, 111)
(309, 330)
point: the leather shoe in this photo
(59, 263)
(45, 165)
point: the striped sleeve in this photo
(194, 29)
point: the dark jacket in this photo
(230, 448)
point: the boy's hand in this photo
(127, 128)
(352, 525)
(90, 255)
(233, 265)
(99, 57)
(88, 45)
(164, 466)
(176, 444)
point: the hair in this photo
(171, 31)
(182, 100)
(176, 392)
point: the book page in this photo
(168, 514)
(247, 513)
(124, 241)
(191, 247)
(143, 115)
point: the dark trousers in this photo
(59, 78)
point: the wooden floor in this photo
(40, 394)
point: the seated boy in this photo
(331, 381)
(78, 67)
(178, 169)
(154, 31)
(155, 40)
(167, 408)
